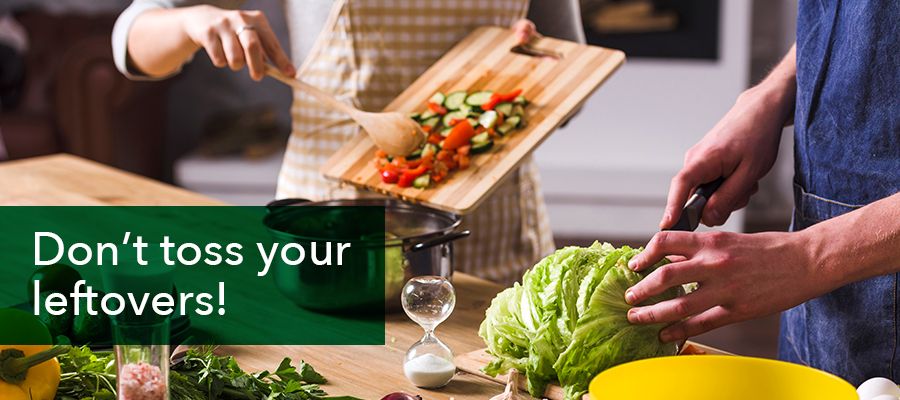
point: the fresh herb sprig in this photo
(200, 375)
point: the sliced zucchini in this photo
(437, 98)
(479, 98)
(480, 138)
(481, 147)
(450, 116)
(433, 147)
(446, 131)
(520, 100)
(508, 125)
(422, 181)
(415, 154)
(473, 122)
(504, 108)
(455, 100)
(427, 114)
(488, 119)
(414, 115)
(431, 122)
(518, 111)
(466, 109)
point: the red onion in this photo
(401, 396)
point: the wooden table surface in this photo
(367, 372)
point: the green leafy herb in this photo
(200, 375)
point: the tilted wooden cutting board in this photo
(472, 362)
(556, 88)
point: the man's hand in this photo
(740, 277)
(741, 147)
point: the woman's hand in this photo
(740, 277)
(524, 30)
(236, 38)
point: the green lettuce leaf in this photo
(567, 321)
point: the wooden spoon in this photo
(392, 132)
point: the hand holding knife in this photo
(693, 209)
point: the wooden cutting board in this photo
(472, 362)
(483, 61)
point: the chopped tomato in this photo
(389, 176)
(459, 136)
(463, 161)
(464, 150)
(436, 108)
(454, 121)
(414, 163)
(381, 153)
(426, 128)
(444, 155)
(435, 138)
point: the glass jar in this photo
(142, 359)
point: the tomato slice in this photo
(459, 135)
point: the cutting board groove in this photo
(482, 61)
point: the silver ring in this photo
(243, 28)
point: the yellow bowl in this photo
(708, 377)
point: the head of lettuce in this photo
(567, 321)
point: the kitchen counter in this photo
(362, 371)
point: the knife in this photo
(693, 209)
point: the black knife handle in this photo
(693, 210)
(707, 189)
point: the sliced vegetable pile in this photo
(458, 125)
(567, 321)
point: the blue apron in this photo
(847, 155)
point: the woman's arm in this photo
(158, 39)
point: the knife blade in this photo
(693, 209)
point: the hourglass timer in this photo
(428, 301)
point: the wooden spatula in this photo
(392, 132)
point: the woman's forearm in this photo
(858, 245)
(158, 43)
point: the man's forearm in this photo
(858, 245)
(157, 42)
(779, 89)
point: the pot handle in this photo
(286, 202)
(439, 240)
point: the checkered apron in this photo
(368, 52)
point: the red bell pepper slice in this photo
(436, 108)
(459, 136)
